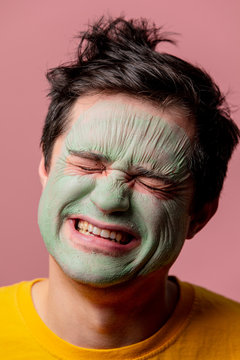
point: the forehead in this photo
(173, 115)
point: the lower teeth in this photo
(114, 240)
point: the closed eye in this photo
(160, 188)
(91, 169)
(155, 182)
(85, 165)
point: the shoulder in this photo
(14, 332)
(9, 290)
(12, 299)
(214, 310)
(10, 318)
(7, 293)
(219, 302)
(212, 325)
(9, 296)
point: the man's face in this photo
(115, 205)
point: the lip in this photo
(90, 243)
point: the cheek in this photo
(164, 227)
(148, 204)
(134, 186)
(161, 216)
(62, 189)
(146, 210)
(74, 188)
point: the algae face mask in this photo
(116, 202)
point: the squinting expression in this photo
(116, 202)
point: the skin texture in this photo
(117, 191)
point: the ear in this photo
(201, 218)
(42, 172)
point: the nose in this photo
(111, 193)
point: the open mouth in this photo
(87, 228)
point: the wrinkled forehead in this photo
(122, 131)
(119, 117)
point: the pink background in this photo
(36, 35)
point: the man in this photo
(135, 150)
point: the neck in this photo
(104, 318)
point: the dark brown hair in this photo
(120, 56)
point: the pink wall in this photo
(36, 35)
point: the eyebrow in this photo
(149, 173)
(89, 155)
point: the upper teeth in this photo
(90, 229)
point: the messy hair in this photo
(120, 56)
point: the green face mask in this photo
(123, 167)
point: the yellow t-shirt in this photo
(203, 326)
